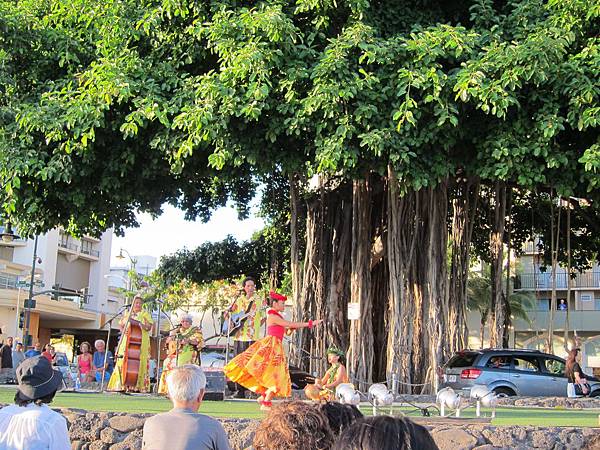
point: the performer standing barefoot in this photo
(263, 367)
(117, 379)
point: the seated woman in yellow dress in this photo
(117, 379)
(184, 348)
(324, 388)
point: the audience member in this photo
(49, 353)
(17, 355)
(340, 416)
(30, 424)
(84, 363)
(186, 385)
(98, 363)
(35, 351)
(6, 362)
(294, 425)
(385, 433)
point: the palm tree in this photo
(479, 293)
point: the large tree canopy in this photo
(184, 102)
(430, 125)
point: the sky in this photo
(170, 232)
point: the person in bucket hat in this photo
(30, 424)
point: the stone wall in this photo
(120, 431)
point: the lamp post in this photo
(27, 336)
(132, 261)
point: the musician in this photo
(116, 382)
(249, 333)
(324, 388)
(184, 346)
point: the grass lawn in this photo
(249, 409)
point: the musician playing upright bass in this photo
(249, 332)
(118, 378)
(184, 346)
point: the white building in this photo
(76, 265)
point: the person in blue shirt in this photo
(98, 361)
(35, 351)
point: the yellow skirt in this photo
(261, 368)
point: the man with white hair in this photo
(183, 428)
(102, 362)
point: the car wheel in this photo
(504, 392)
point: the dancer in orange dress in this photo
(263, 368)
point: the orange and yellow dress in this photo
(263, 366)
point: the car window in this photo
(462, 359)
(526, 363)
(554, 366)
(498, 362)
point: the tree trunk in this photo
(464, 207)
(360, 363)
(554, 245)
(295, 266)
(497, 308)
(567, 312)
(437, 278)
(402, 221)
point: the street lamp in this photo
(27, 336)
(7, 235)
(131, 258)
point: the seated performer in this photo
(324, 388)
(118, 377)
(184, 348)
(263, 368)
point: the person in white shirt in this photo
(30, 424)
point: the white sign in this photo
(353, 311)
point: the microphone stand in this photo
(107, 347)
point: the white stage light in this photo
(380, 395)
(346, 394)
(485, 397)
(447, 398)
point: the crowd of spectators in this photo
(289, 425)
(90, 366)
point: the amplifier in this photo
(215, 384)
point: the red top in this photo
(85, 364)
(46, 354)
(275, 330)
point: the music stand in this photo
(107, 347)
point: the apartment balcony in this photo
(543, 281)
(582, 321)
(530, 248)
(76, 249)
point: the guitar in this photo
(236, 321)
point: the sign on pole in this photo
(353, 311)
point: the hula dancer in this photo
(324, 388)
(263, 368)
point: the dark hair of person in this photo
(294, 425)
(340, 416)
(246, 280)
(571, 360)
(20, 401)
(385, 433)
(88, 345)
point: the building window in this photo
(543, 304)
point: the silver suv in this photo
(509, 372)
